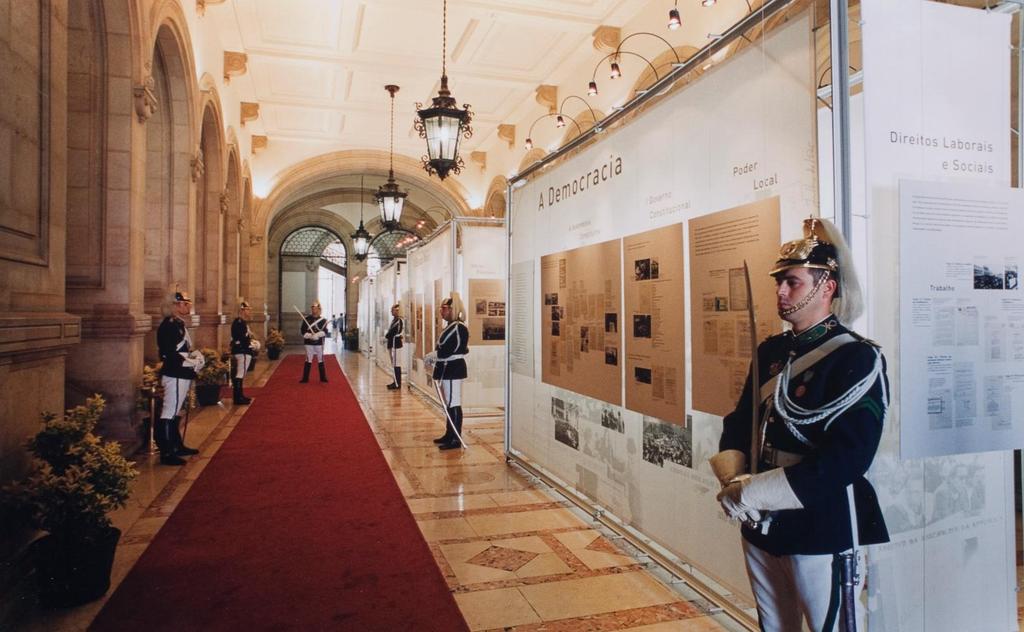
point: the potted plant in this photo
(275, 343)
(75, 481)
(211, 377)
(351, 337)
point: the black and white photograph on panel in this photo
(642, 269)
(642, 374)
(641, 325)
(557, 312)
(611, 418)
(954, 489)
(556, 328)
(1011, 276)
(987, 274)
(611, 356)
(667, 442)
(584, 339)
(900, 488)
(551, 298)
(611, 323)
(481, 306)
(493, 329)
(567, 422)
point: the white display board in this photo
(961, 318)
(430, 275)
(743, 133)
(385, 289)
(481, 281)
(936, 108)
(365, 315)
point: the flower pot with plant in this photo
(75, 481)
(211, 377)
(151, 392)
(275, 343)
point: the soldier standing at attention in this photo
(243, 348)
(450, 368)
(799, 487)
(179, 364)
(314, 330)
(393, 338)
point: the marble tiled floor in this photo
(516, 557)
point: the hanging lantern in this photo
(443, 124)
(389, 198)
(361, 238)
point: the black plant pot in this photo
(273, 353)
(208, 394)
(72, 571)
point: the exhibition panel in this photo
(430, 275)
(940, 240)
(365, 315)
(629, 317)
(626, 263)
(481, 272)
(388, 288)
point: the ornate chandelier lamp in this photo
(389, 198)
(361, 238)
(443, 124)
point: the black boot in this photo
(448, 436)
(323, 372)
(164, 443)
(240, 397)
(453, 442)
(181, 448)
(305, 373)
(397, 384)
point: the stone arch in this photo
(586, 119)
(531, 157)
(285, 224)
(211, 210)
(169, 142)
(495, 201)
(450, 193)
(231, 203)
(87, 80)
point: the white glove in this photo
(195, 360)
(255, 345)
(308, 335)
(732, 504)
(430, 359)
(321, 334)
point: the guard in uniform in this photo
(314, 330)
(244, 348)
(449, 360)
(393, 338)
(179, 364)
(821, 403)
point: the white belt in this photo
(457, 356)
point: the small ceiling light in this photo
(529, 144)
(559, 121)
(592, 89)
(708, 3)
(674, 21)
(616, 72)
(389, 198)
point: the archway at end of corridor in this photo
(313, 266)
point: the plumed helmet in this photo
(243, 304)
(823, 248)
(455, 302)
(180, 294)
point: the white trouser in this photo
(242, 363)
(791, 589)
(175, 394)
(314, 352)
(452, 391)
(394, 357)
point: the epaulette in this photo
(861, 338)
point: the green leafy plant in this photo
(275, 339)
(215, 371)
(76, 479)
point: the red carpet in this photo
(296, 523)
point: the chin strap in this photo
(807, 299)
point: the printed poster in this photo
(486, 311)
(654, 323)
(720, 333)
(580, 301)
